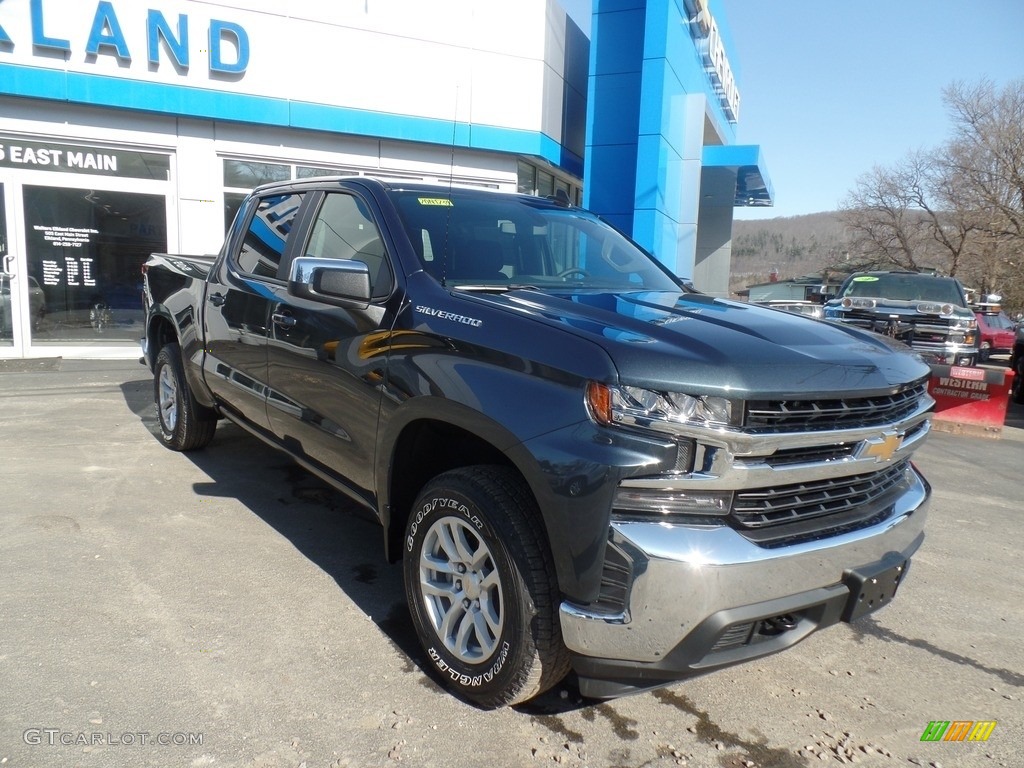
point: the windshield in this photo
(905, 287)
(999, 322)
(485, 241)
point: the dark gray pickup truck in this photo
(929, 313)
(582, 463)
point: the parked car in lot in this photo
(36, 301)
(996, 330)
(929, 313)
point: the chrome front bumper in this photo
(687, 579)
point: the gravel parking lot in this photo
(225, 608)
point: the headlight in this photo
(660, 411)
(934, 308)
(851, 302)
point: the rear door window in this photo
(267, 234)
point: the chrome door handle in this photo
(217, 299)
(285, 321)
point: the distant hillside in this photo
(791, 245)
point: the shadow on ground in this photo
(332, 531)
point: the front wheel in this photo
(480, 584)
(185, 425)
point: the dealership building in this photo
(128, 128)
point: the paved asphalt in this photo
(224, 608)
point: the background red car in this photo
(997, 331)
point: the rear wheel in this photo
(185, 425)
(480, 584)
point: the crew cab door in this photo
(239, 296)
(326, 362)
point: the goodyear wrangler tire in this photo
(185, 425)
(481, 587)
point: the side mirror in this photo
(339, 282)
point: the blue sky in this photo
(831, 88)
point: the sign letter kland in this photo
(39, 38)
(228, 48)
(158, 29)
(106, 33)
(225, 30)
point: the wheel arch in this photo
(163, 330)
(425, 447)
(159, 334)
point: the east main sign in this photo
(227, 43)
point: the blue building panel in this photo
(657, 233)
(625, 47)
(161, 98)
(174, 99)
(753, 184)
(614, 6)
(617, 166)
(29, 81)
(684, 88)
(614, 119)
(655, 151)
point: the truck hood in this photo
(699, 344)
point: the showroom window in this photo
(533, 180)
(242, 176)
(86, 249)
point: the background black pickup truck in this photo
(581, 462)
(929, 313)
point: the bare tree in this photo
(984, 163)
(892, 219)
(958, 208)
(986, 153)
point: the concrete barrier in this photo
(970, 401)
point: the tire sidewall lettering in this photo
(445, 504)
(459, 677)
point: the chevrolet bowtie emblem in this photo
(882, 448)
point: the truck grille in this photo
(927, 334)
(774, 416)
(849, 500)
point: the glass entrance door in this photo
(15, 293)
(85, 250)
(6, 267)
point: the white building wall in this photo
(478, 62)
(455, 91)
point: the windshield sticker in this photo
(865, 279)
(442, 315)
(443, 201)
